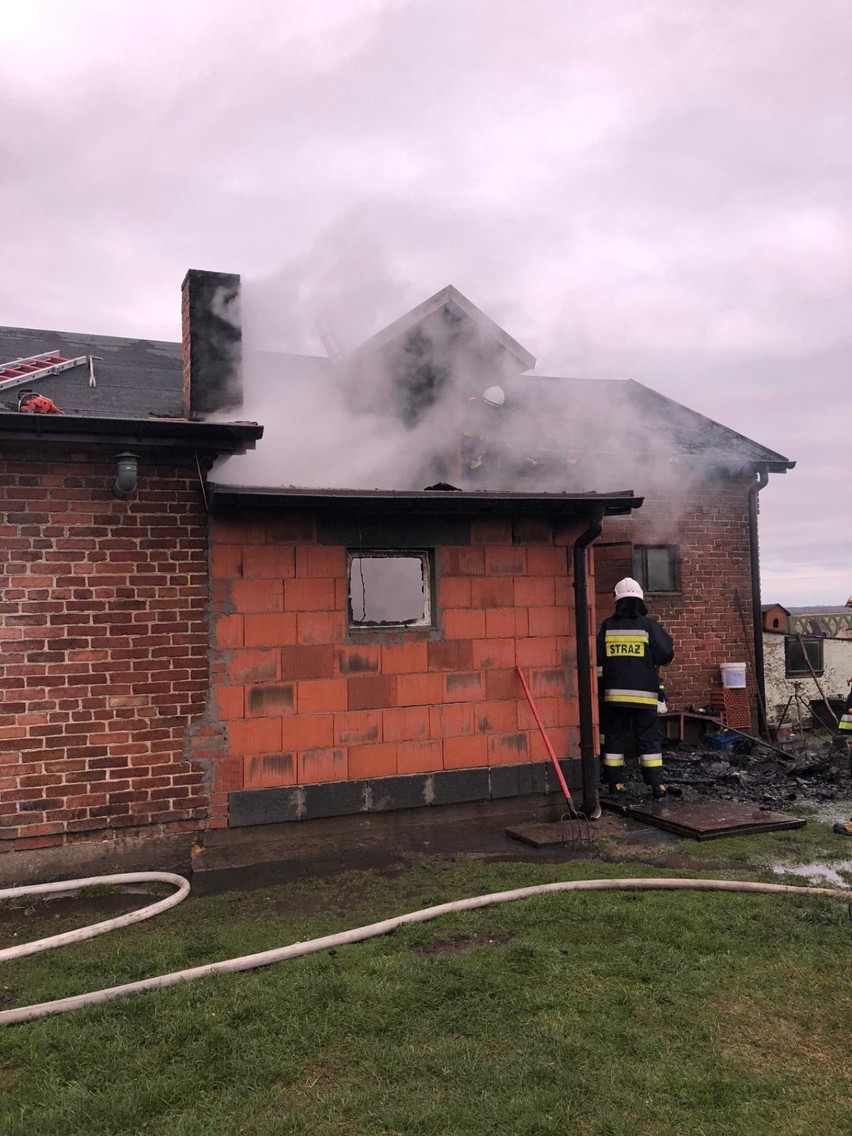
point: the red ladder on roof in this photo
(35, 367)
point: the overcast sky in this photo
(648, 189)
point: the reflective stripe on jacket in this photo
(845, 723)
(629, 652)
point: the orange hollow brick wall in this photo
(301, 699)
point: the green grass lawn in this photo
(606, 1013)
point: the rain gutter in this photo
(155, 433)
(757, 624)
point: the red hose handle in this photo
(545, 738)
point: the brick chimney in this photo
(212, 343)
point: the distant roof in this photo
(838, 609)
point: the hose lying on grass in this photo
(342, 938)
(93, 929)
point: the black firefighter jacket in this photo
(629, 652)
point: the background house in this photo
(808, 661)
(775, 618)
(214, 651)
(825, 622)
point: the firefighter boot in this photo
(614, 786)
(654, 778)
(613, 771)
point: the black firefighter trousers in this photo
(644, 722)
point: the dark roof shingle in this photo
(135, 378)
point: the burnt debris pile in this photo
(810, 772)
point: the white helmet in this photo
(628, 587)
(494, 396)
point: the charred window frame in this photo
(801, 650)
(657, 567)
(390, 589)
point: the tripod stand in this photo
(799, 699)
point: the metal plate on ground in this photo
(545, 835)
(704, 820)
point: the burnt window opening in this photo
(390, 589)
(656, 567)
(776, 623)
(420, 381)
(799, 651)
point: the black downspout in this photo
(588, 763)
(757, 622)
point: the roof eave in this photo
(773, 467)
(218, 437)
(460, 502)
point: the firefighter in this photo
(844, 827)
(480, 437)
(631, 646)
(845, 723)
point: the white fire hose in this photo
(89, 932)
(326, 942)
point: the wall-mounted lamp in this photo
(127, 465)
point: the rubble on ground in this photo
(812, 772)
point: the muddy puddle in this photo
(818, 873)
(71, 908)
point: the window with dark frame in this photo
(655, 567)
(799, 651)
(390, 589)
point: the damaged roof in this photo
(585, 419)
(451, 300)
(577, 421)
(695, 433)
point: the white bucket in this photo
(733, 675)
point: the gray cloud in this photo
(656, 189)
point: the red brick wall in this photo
(710, 528)
(103, 652)
(301, 699)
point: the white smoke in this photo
(337, 414)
